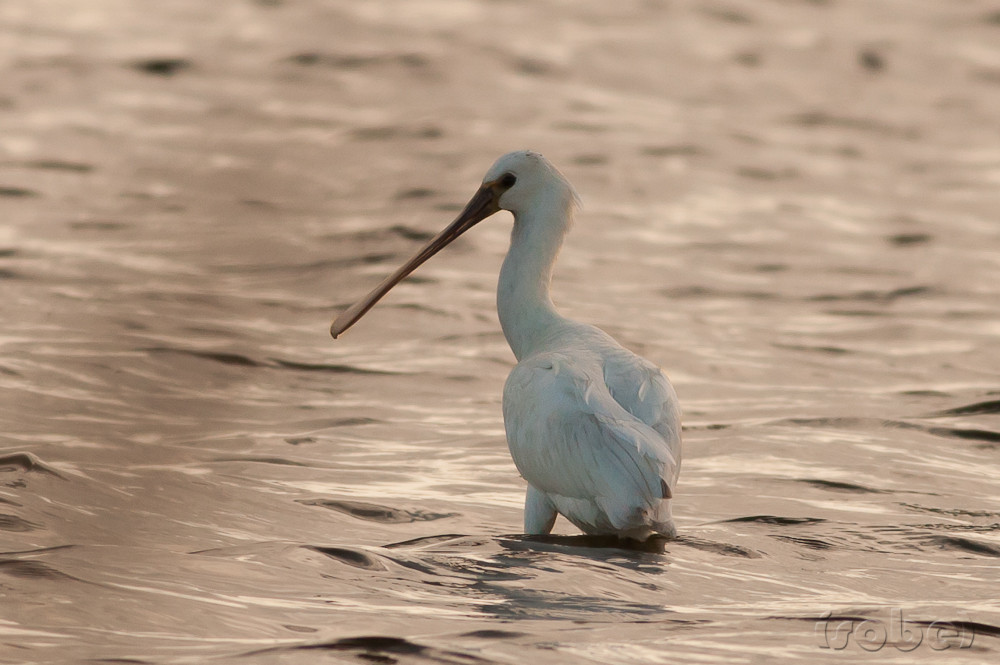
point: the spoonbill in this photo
(594, 429)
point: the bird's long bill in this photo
(482, 205)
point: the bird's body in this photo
(593, 428)
(595, 431)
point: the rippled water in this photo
(789, 205)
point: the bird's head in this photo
(516, 182)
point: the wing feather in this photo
(640, 388)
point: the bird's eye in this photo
(508, 180)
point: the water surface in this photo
(789, 205)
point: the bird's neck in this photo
(527, 314)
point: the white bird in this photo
(593, 428)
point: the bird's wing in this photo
(568, 436)
(640, 388)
